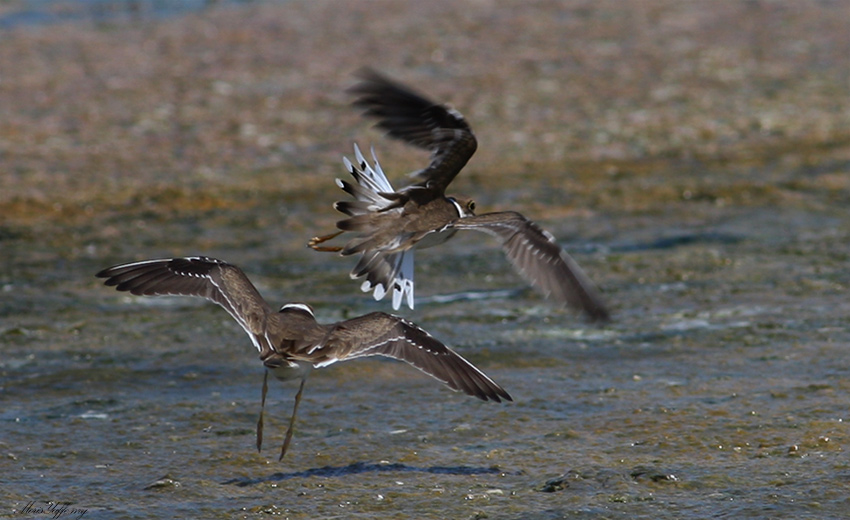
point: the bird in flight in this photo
(387, 224)
(290, 341)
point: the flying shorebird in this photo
(291, 342)
(388, 224)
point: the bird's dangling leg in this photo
(262, 408)
(291, 429)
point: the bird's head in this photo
(465, 205)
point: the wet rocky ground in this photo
(694, 161)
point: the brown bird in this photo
(388, 224)
(291, 342)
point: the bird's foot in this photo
(315, 241)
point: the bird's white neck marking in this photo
(460, 212)
(298, 306)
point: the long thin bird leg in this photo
(291, 429)
(315, 241)
(262, 408)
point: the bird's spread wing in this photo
(381, 334)
(215, 280)
(373, 192)
(536, 255)
(416, 120)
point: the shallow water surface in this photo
(719, 389)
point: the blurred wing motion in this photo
(413, 118)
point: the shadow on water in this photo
(364, 467)
(678, 241)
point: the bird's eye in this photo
(470, 205)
